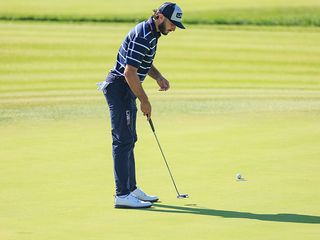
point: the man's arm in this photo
(156, 75)
(133, 80)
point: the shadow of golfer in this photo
(280, 217)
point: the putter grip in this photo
(151, 125)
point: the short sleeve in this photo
(137, 49)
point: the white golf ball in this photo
(238, 176)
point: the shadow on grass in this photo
(280, 217)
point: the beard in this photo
(162, 29)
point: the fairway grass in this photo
(243, 100)
(42, 57)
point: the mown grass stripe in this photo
(185, 95)
(51, 58)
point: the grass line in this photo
(276, 21)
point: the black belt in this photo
(120, 78)
(112, 78)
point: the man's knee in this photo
(123, 140)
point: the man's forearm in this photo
(154, 73)
(133, 81)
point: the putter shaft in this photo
(164, 158)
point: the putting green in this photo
(243, 100)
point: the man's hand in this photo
(145, 107)
(163, 84)
(156, 75)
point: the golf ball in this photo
(238, 176)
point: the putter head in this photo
(183, 196)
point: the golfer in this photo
(121, 88)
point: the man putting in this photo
(121, 88)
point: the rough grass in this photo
(244, 12)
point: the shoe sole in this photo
(152, 201)
(124, 206)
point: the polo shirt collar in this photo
(153, 28)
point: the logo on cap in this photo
(179, 15)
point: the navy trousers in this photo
(123, 114)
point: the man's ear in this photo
(160, 18)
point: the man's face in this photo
(166, 26)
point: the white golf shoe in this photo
(130, 201)
(138, 193)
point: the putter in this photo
(164, 158)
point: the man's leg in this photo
(122, 136)
(121, 161)
(132, 170)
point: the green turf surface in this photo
(263, 12)
(67, 59)
(244, 100)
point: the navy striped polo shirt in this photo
(138, 49)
